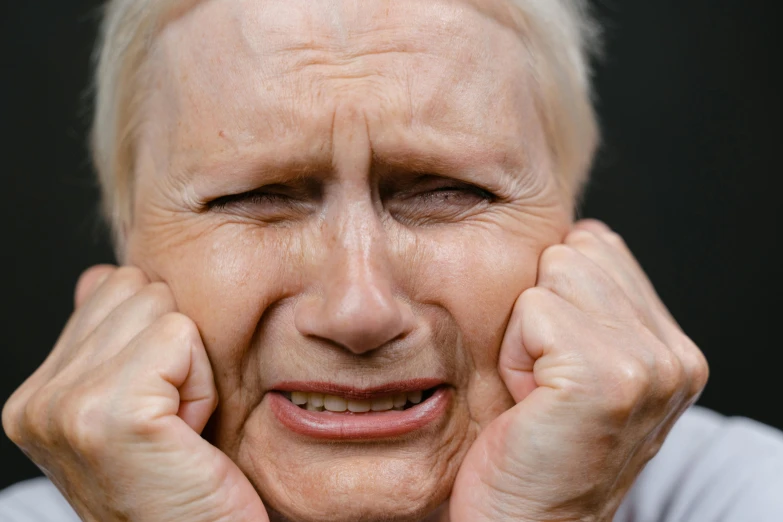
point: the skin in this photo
(371, 257)
(407, 222)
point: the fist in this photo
(113, 416)
(599, 372)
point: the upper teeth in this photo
(321, 402)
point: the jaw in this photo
(402, 488)
(406, 478)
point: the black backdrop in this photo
(689, 99)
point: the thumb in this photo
(90, 280)
(515, 363)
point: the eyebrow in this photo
(467, 157)
(249, 164)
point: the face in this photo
(347, 198)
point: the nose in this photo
(356, 307)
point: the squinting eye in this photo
(253, 197)
(447, 194)
(267, 205)
(447, 203)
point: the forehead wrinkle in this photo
(430, 103)
(341, 27)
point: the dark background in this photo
(689, 99)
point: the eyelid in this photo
(467, 187)
(428, 183)
(225, 201)
(453, 187)
(418, 187)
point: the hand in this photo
(599, 372)
(113, 415)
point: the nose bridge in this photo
(358, 309)
(358, 260)
(355, 305)
(358, 267)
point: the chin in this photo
(366, 490)
(405, 477)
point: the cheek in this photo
(224, 279)
(476, 273)
(476, 276)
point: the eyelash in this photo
(463, 189)
(253, 197)
(256, 197)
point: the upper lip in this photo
(358, 393)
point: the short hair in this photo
(560, 36)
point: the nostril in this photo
(359, 324)
(355, 306)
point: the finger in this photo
(604, 231)
(124, 323)
(571, 275)
(515, 362)
(539, 340)
(596, 241)
(99, 300)
(121, 285)
(617, 244)
(692, 358)
(90, 280)
(171, 372)
(695, 367)
(635, 285)
(612, 262)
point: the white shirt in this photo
(710, 469)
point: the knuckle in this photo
(615, 239)
(558, 260)
(82, 421)
(670, 373)
(534, 296)
(582, 239)
(701, 370)
(177, 327)
(35, 415)
(595, 225)
(698, 370)
(130, 278)
(10, 419)
(630, 381)
(37, 411)
(537, 311)
(159, 298)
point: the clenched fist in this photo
(599, 371)
(114, 415)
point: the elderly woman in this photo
(353, 289)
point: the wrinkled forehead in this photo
(269, 66)
(270, 26)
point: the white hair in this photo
(559, 34)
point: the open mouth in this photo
(330, 411)
(313, 401)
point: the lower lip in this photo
(359, 426)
